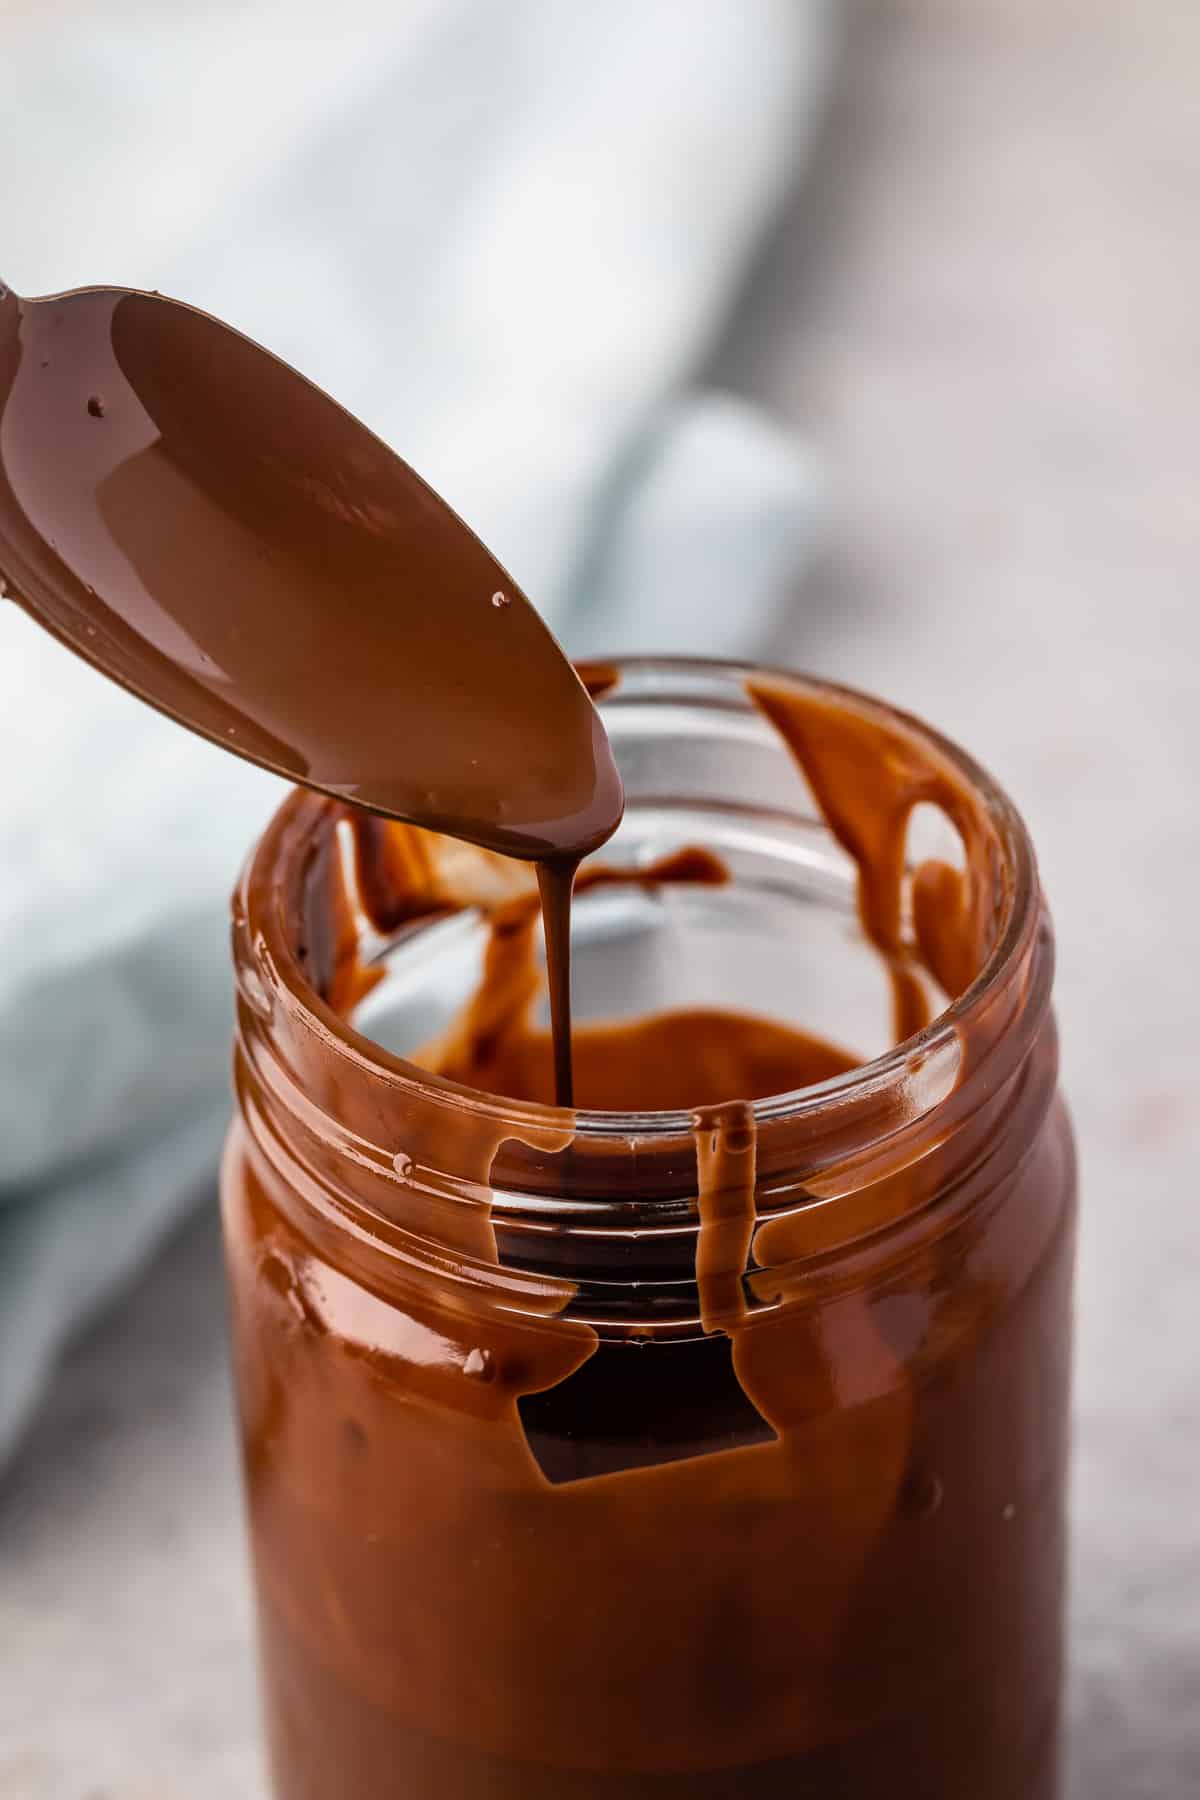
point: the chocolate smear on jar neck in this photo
(868, 774)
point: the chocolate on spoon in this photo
(212, 531)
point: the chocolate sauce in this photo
(556, 879)
(215, 533)
(868, 775)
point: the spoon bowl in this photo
(212, 531)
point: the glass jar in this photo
(561, 1483)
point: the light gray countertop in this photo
(984, 308)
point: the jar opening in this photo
(363, 937)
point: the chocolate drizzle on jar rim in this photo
(940, 928)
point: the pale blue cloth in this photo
(506, 237)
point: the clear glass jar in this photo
(530, 1519)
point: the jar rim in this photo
(818, 1101)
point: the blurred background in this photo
(861, 337)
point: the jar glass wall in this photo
(566, 1476)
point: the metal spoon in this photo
(212, 531)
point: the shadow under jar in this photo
(631, 1455)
